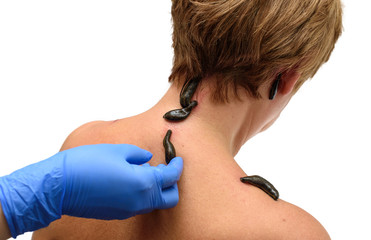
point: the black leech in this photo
(263, 184)
(274, 89)
(180, 114)
(186, 94)
(169, 147)
(187, 91)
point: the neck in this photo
(227, 125)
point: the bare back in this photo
(213, 204)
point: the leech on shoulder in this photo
(188, 90)
(169, 147)
(180, 114)
(263, 184)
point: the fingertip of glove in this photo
(177, 162)
(135, 154)
(148, 154)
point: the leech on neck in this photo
(189, 88)
(180, 114)
(169, 147)
(263, 184)
(186, 94)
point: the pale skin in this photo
(213, 204)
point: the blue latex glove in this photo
(101, 181)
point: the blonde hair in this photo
(245, 43)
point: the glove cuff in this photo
(31, 197)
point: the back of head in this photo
(245, 43)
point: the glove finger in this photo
(136, 155)
(171, 173)
(170, 197)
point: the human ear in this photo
(288, 80)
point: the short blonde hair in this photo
(247, 42)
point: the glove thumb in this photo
(136, 155)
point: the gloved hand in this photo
(103, 181)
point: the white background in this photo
(64, 63)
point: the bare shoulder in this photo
(270, 219)
(295, 223)
(89, 133)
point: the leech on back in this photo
(169, 147)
